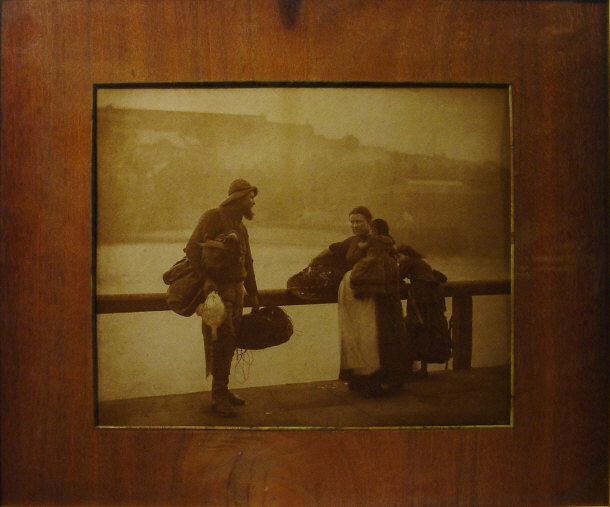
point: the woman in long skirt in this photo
(374, 352)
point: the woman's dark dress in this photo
(426, 324)
(395, 363)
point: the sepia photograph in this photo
(303, 255)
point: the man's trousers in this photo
(219, 352)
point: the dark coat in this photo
(349, 251)
(213, 224)
(426, 324)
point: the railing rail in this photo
(130, 303)
(461, 293)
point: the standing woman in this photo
(374, 355)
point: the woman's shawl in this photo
(375, 275)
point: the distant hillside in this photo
(159, 170)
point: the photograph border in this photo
(96, 300)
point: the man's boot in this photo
(221, 367)
(236, 400)
(221, 404)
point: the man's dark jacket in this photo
(214, 223)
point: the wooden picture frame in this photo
(555, 57)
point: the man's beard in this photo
(248, 214)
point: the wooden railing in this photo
(461, 294)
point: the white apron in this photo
(357, 330)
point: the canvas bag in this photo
(185, 288)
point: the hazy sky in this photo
(460, 123)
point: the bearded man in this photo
(219, 251)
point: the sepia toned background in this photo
(433, 162)
(554, 55)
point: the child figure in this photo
(426, 324)
(380, 226)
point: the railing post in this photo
(461, 331)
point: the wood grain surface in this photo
(554, 55)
